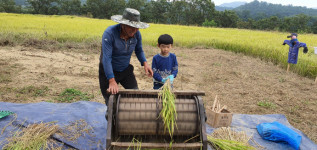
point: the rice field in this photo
(263, 44)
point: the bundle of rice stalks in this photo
(168, 113)
(227, 139)
(34, 136)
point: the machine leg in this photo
(109, 123)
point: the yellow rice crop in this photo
(263, 44)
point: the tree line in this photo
(182, 12)
(260, 10)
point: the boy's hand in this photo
(171, 77)
(147, 69)
(164, 80)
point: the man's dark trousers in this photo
(126, 78)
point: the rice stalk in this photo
(225, 138)
(222, 144)
(137, 145)
(168, 112)
(34, 136)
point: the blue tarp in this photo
(94, 114)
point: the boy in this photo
(164, 64)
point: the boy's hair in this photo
(165, 39)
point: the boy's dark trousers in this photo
(126, 78)
(157, 85)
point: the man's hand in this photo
(284, 43)
(148, 69)
(113, 86)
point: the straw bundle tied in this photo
(168, 113)
(225, 138)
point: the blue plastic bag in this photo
(278, 132)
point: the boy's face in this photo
(165, 48)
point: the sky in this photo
(307, 3)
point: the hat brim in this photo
(119, 19)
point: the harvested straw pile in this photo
(226, 139)
(40, 136)
(76, 129)
(168, 113)
(34, 136)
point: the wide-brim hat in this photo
(130, 17)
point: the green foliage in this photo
(314, 27)
(70, 95)
(47, 7)
(7, 6)
(136, 4)
(300, 23)
(211, 23)
(226, 19)
(266, 104)
(70, 7)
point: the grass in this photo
(33, 90)
(282, 80)
(7, 70)
(19, 28)
(266, 104)
(70, 95)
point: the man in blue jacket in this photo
(118, 43)
(294, 46)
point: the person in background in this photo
(118, 43)
(164, 64)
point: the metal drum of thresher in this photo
(136, 113)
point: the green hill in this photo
(260, 10)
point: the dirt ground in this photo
(246, 85)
